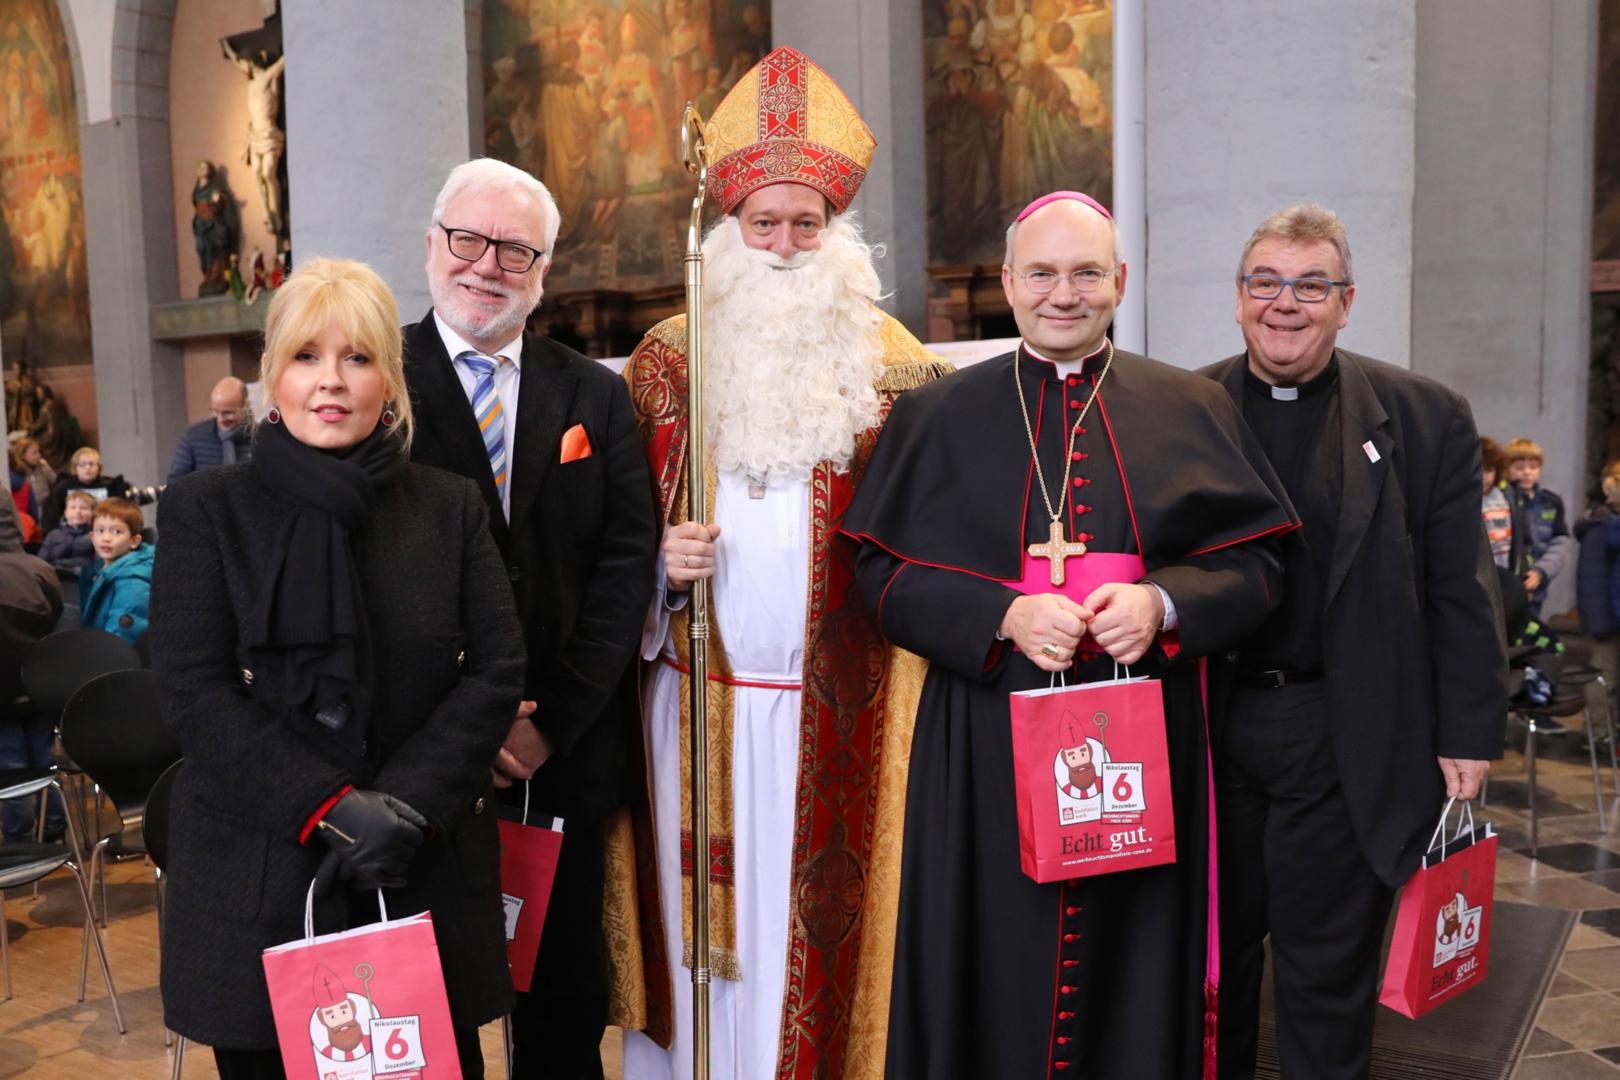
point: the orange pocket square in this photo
(575, 444)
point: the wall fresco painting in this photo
(1020, 102)
(44, 287)
(586, 95)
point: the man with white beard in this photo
(809, 709)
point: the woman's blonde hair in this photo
(84, 453)
(349, 295)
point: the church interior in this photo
(167, 165)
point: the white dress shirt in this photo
(507, 378)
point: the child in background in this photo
(1597, 588)
(117, 598)
(69, 546)
(84, 474)
(1494, 506)
(1540, 523)
(32, 464)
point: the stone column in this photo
(1251, 107)
(873, 48)
(1502, 230)
(129, 229)
(376, 117)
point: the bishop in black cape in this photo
(1102, 977)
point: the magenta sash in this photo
(1082, 575)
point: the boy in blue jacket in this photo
(1541, 519)
(118, 596)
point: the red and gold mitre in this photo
(787, 121)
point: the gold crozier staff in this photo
(696, 156)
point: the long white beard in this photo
(791, 352)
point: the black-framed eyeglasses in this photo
(1307, 290)
(1041, 282)
(468, 246)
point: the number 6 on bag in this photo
(362, 1003)
(1443, 926)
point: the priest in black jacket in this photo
(1375, 690)
(1150, 469)
(549, 437)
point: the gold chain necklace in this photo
(1056, 549)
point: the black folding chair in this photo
(115, 732)
(26, 864)
(62, 662)
(54, 669)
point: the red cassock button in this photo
(1071, 910)
(1060, 1064)
(1079, 481)
(1082, 431)
(1082, 508)
(1086, 538)
(1074, 380)
(1071, 937)
(1070, 963)
(1066, 989)
(1065, 1016)
(1065, 1040)
(1077, 456)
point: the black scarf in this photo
(310, 616)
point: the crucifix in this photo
(1057, 550)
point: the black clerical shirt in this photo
(1299, 431)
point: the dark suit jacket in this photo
(448, 663)
(579, 549)
(1412, 639)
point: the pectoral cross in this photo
(1057, 550)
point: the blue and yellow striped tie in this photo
(486, 404)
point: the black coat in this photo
(448, 659)
(1412, 641)
(579, 550)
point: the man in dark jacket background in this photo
(225, 438)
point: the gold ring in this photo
(1051, 650)
(688, 562)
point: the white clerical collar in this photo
(1065, 368)
(1284, 393)
(455, 344)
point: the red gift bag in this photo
(362, 1003)
(1092, 779)
(1443, 926)
(529, 856)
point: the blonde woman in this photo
(334, 638)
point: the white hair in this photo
(792, 351)
(489, 174)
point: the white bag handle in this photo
(525, 802)
(309, 910)
(1440, 829)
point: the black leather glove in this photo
(372, 836)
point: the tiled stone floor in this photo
(1577, 1033)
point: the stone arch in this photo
(121, 77)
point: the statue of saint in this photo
(213, 227)
(265, 141)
